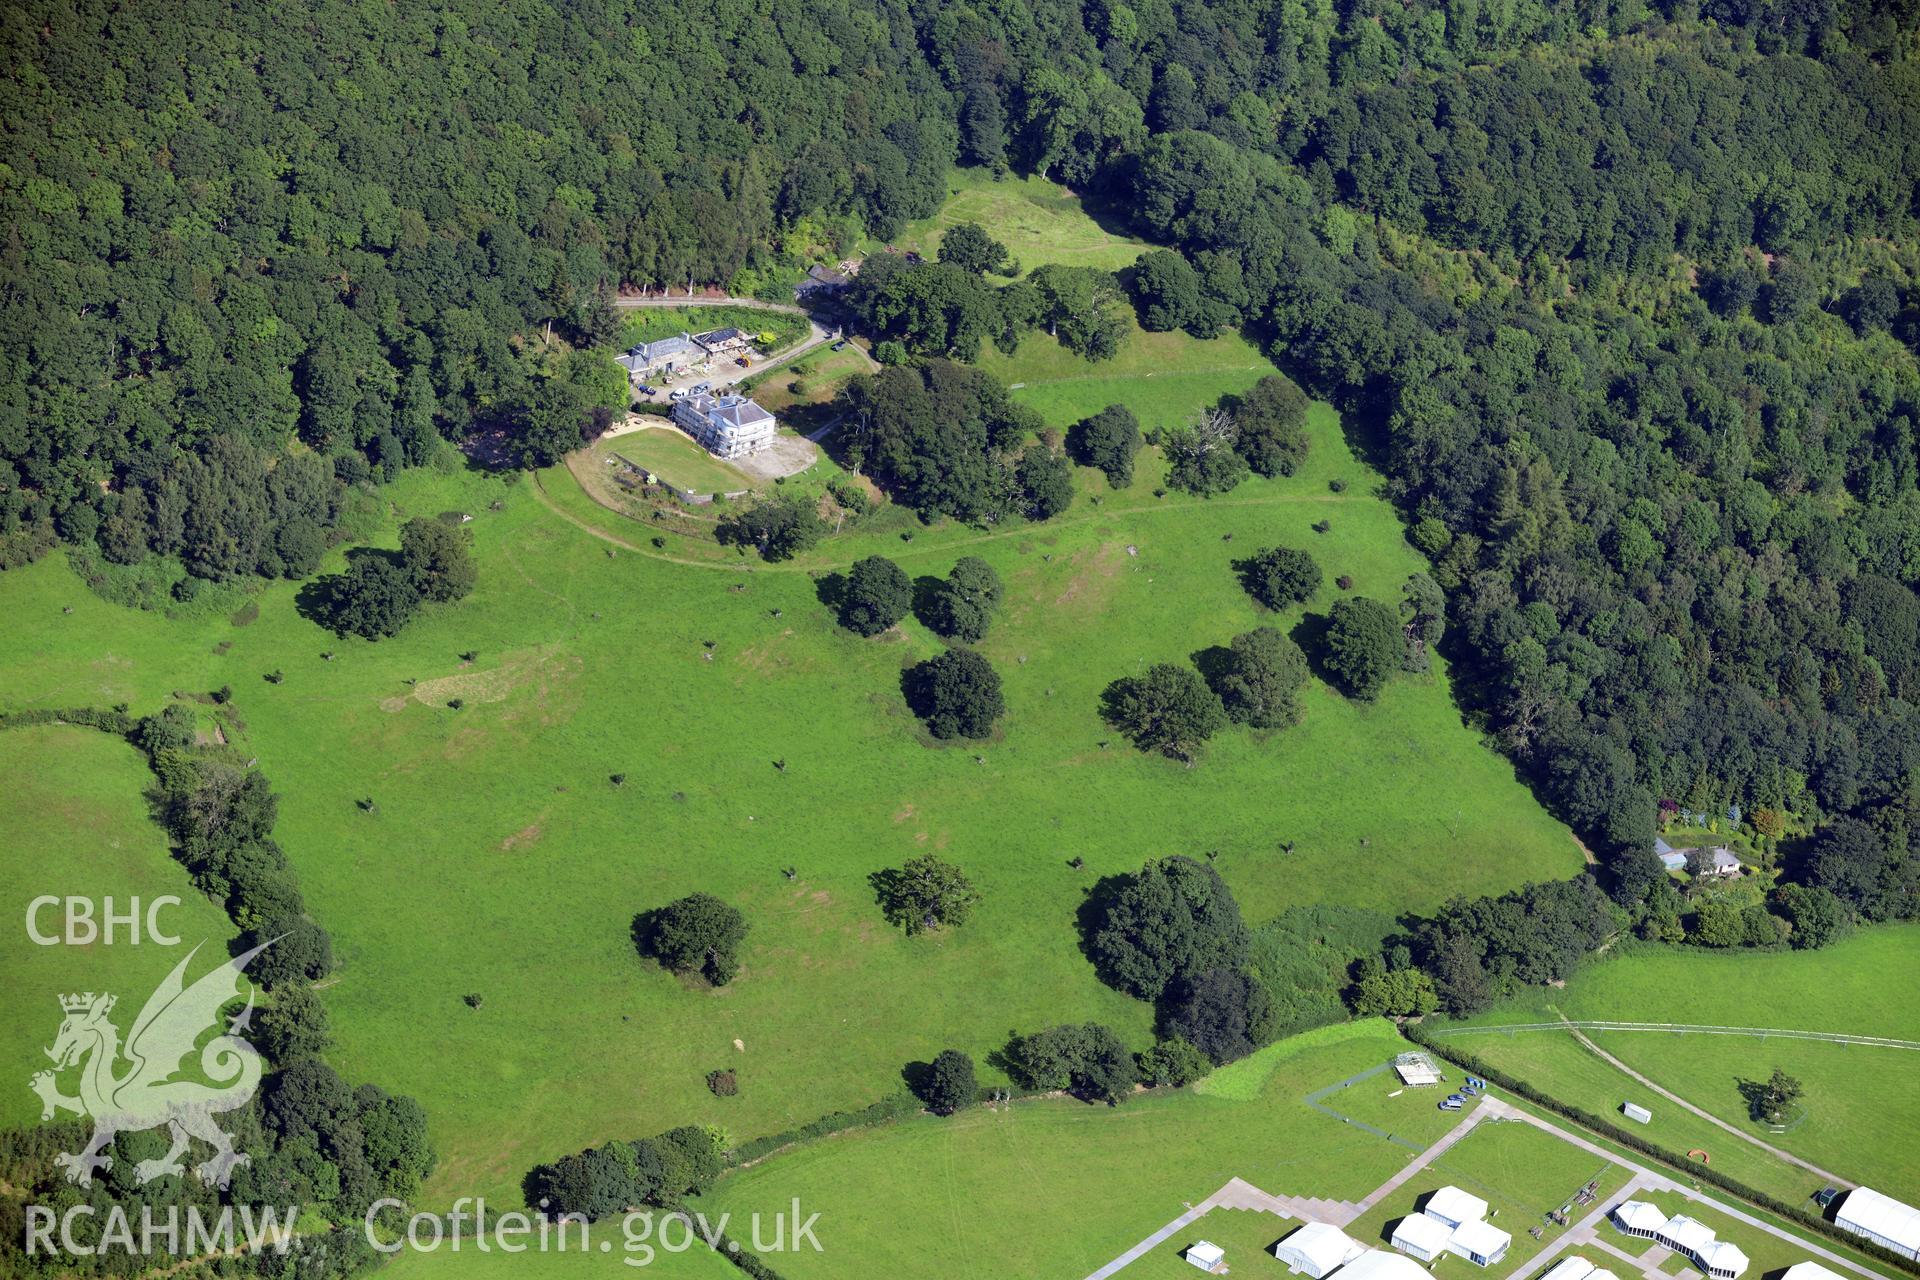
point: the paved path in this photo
(1488, 1107)
(1580, 1234)
(1833, 1179)
(1236, 1194)
(1583, 1234)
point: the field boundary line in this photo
(1686, 1028)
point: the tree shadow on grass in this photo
(830, 589)
(1310, 633)
(1214, 663)
(926, 596)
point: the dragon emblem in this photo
(153, 1088)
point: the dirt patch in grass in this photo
(523, 838)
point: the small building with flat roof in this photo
(1206, 1255)
(1416, 1069)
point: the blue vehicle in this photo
(645, 390)
(1470, 1091)
(1457, 1098)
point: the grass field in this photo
(501, 862)
(76, 826)
(1245, 1235)
(667, 452)
(1039, 221)
(1860, 1102)
(1055, 1188)
(1521, 1172)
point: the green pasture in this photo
(1852, 986)
(501, 861)
(1055, 1187)
(573, 1263)
(76, 826)
(1039, 221)
(1860, 1103)
(1247, 1236)
(1555, 1063)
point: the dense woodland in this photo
(1622, 297)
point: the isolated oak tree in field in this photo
(1168, 709)
(957, 694)
(1107, 440)
(877, 594)
(961, 606)
(439, 558)
(1259, 683)
(950, 1083)
(695, 934)
(1270, 421)
(925, 893)
(1364, 646)
(968, 246)
(1279, 576)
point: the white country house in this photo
(730, 426)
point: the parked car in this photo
(701, 388)
(645, 390)
(839, 346)
(678, 393)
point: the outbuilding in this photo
(1570, 1269)
(1206, 1255)
(1480, 1243)
(1416, 1070)
(1453, 1206)
(1378, 1264)
(1316, 1249)
(1723, 1259)
(1685, 1235)
(1638, 1218)
(1889, 1223)
(1421, 1236)
(1634, 1111)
